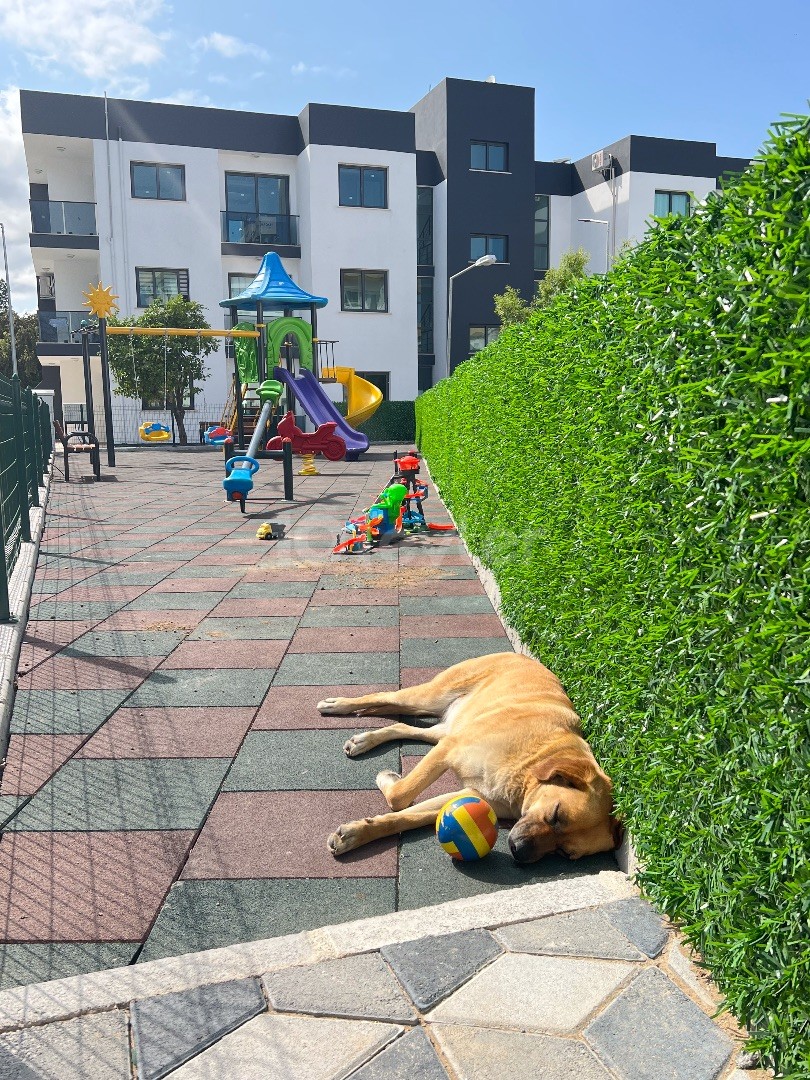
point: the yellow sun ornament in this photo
(100, 300)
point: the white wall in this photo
(644, 187)
(559, 227)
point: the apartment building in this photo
(374, 209)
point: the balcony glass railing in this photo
(63, 218)
(57, 326)
(241, 228)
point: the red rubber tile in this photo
(98, 673)
(153, 620)
(43, 639)
(287, 707)
(272, 573)
(164, 566)
(345, 639)
(414, 676)
(386, 597)
(445, 587)
(226, 654)
(445, 785)
(419, 626)
(282, 834)
(85, 886)
(233, 560)
(266, 606)
(170, 732)
(420, 558)
(176, 585)
(33, 759)
(102, 592)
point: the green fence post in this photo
(20, 458)
(5, 608)
(30, 447)
(45, 432)
(36, 432)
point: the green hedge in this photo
(394, 421)
(634, 465)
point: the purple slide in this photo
(321, 410)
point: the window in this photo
(481, 336)
(491, 156)
(237, 283)
(160, 285)
(424, 226)
(364, 290)
(153, 181)
(380, 379)
(252, 194)
(541, 232)
(363, 185)
(671, 202)
(481, 245)
(424, 314)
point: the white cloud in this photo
(221, 80)
(110, 36)
(230, 47)
(322, 69)
(185, 97)
(14, 204)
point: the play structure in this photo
(323, 441)
(152, 431)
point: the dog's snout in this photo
(521, 848)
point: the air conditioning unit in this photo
(601, 160)
(46, 286)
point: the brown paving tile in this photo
(282, 834)
(85, 886)
(227, 654)
(102, 592)
(419, 626)
(354, 596)
(414, 676)
(170, 732)
(445, 587)
(272, 573)
(419, 558)
(287, 707)
(265, 606)
(33, 759)
(153, 620)
(345, 639)
(445, 785)
(99, 673)
(176, 585)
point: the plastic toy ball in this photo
(467, 828)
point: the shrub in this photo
(633, 463)
(393, 421)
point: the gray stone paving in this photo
(356, 987)
(431, 968)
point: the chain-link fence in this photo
(127, 417)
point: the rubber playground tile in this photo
(207, 914)
(9, 805)
(282, 834)
(85, 886)
(473, 626)
(271, 590)
(272, 606)
(33, 759)
(125, 643)
(268, 572)
(106, 591)
(191, 584)
(226, 654)
(448, 782)
(234, 560)
(231, 574)
(160, 601)
(247, 628)
(29, 962)
(170, 733)
(342, 615)
(83, 673)
(221, 688)
(63, 712)
(345, 639)
(432, 558)
(363, 597)
(443, 587)
(421, 652)
(310, 669)
(286, 707)
(78, 610)
(437, 606)
(43, 639)
(145, 578)
(108, 795)
(152, 621)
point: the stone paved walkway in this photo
(170, 785)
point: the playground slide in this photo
(321, 410)
(362, 397)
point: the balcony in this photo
(273, 230)
(56, 327)
(63, 218)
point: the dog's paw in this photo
(345, 838)
(334, 706)
(385, 779)
(358, 744)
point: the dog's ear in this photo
(568, 770)
(617, 827)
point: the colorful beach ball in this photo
(467, 828)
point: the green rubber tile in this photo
(305, 760)
(354, 581)
(100, 795)
(217, 570)
(427, 874)
(256, 590)
(207, 914)
(218, 688)
(347, 615)
(23, 964)
(181, 601)
(442, 652)
(132, 577)
(63, 712)
(125, 643)
(328, 669)
(74, 610)
(8, 806)
(261, 628)
(445, 605)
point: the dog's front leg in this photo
(400, 791)
(356, 833)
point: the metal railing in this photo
(241, 228)
(58, 326)
(26, 443)
(63, 218)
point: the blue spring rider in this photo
(238, 480)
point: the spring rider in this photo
(239, 471)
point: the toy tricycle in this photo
(217, 436)
(323, 441)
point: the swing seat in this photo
(153, 432)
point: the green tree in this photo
(162, 369)
(26, 335)
(510, 307)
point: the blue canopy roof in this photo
(274, 288)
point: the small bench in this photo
(86, 444)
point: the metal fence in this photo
(26, 443)
(127, 417)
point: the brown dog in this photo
(511, 735)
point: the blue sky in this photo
(720, 71)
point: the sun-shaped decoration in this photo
(100, 300)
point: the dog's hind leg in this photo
(356, 833)
(367, 740)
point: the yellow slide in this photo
(362, 397)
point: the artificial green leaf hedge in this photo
(633, 463)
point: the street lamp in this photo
(601, 221)
(485, 260)
(12, 340)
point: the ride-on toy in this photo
(323, 441)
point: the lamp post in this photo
(485, 260)
(12, 340)
(601, 221)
